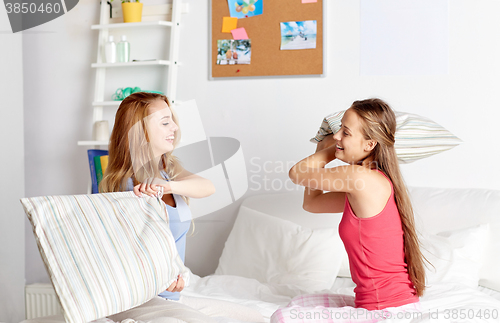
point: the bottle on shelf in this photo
(110, 50)
(123, 50)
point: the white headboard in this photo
(288, 206)
(436, 209)
(444, 209)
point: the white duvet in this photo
(444, 302)
(237, 299)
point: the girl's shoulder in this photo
(383, 176)
(129, 184)
(372, 193)
(373, 180)
(367, 172)
(384, 188)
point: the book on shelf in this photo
(101, 163)
(92, 153)
(104, 163)
(98, 169)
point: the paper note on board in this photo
(228, 24)
(239, 33)
(309, 1)
(245, 8)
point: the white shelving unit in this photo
(106, 103)
(127, 64)
(163, 16)
(132, 25)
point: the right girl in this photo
(377, 226)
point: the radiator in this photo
(41, 300)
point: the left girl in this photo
(145, 134)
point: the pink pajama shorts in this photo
(335, 308)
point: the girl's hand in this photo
(328, 141)
(176, 286)
(151, 186)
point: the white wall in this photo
(272, 117)
(12, 217)
(58, 87)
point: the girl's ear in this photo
(370, 145)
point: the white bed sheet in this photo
(440, 303)
(490, 292)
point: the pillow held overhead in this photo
(105, 253)
(416, 137)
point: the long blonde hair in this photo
(379, 124)
(130, 154)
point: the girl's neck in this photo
(368, 163)
(157, 162)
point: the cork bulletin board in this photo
(264, 31)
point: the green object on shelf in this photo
(122, 93)
(158, 92)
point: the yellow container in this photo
(132, 11)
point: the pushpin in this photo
(237, 71)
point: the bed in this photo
(276, 251)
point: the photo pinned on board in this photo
(298, 34)
(233, 52)
(245, 8)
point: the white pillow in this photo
(416, 137)
(344, 270)
(105, 253)
(491, 266)
(457, 255)
(286, 255)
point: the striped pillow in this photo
(105, 253)
(416, 137)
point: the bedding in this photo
(105, 253)
(295, 260)
(446, 209)
(455, 226)
(441, 303)
(416, 137)
(455, 256)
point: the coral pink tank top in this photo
(376, 257)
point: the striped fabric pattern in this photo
(416, 137)
(105, 253)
